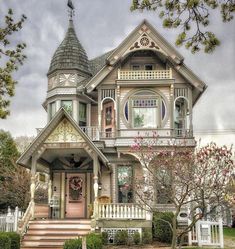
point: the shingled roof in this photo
(70, 54)
(98, 63)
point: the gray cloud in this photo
(101, 25)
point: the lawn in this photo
(229, 233)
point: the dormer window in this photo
(68, 106)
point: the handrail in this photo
(25, 219)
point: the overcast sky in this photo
(101, 25)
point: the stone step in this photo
(60, 226)
(54, 236)
(82, 221)
(34, 232)
(42, 243)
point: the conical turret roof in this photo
(70, 54)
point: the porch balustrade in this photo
(121, 211)
(92, 132)
(144, 74)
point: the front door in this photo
(75, 196)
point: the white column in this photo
(221, 235)
(49, 190)
(33, 183)
(75, 110)
(96, 187)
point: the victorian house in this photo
(95, 108)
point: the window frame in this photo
(68, 100)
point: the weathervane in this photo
(71, 9)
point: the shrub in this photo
(121, 237)
(105, 238)
(15, 240)
(136, 238)
(161, 229)
(147, 237)
(73, 244)
(5, 241)
(94, 241)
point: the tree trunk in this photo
(174, 233)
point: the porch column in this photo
(33, 183)
(172, 109)
(96, 187)
(49, 189)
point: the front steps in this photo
(51, 234)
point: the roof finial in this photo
(71, 9)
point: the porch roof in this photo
(35, 147)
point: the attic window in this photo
(148, 67)
(135, 67)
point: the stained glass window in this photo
(125, 180)
(68, 106)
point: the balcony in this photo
(144, 74)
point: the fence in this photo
(9, 221)
(207, 233)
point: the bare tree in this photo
(184, 177)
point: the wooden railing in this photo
(144, 74)
(92, 132)
(121, 211)
(185, 133)
(26, 218)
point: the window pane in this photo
(148, 67)
(136, 67)
(67, 105)
(145, 117)
(125, 192)
(82, 114)
(52, 109)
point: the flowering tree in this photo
(184, 177)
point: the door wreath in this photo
(75, 188)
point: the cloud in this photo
(101, 25)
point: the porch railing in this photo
(144, 74)
(121, 211)
(92, 132)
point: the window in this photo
(144, 112)
(135, 67)
(144, 109)
(148, 67)
(82, 114)
(108, 115)
(52, 109)
(68, 106)
(125, 180)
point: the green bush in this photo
(94, 241)
(5, 241)
(73, 244)
(136, 238)
(15, 240)
(147, 236)
(121, 237)
(161, 229)
(105, 238)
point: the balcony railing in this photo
(121, 211)
(144, 74)
(95, 134)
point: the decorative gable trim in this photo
(65, 133)
(61, 129)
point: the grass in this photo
(229, 233)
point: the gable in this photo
(146, 38)
(64, 133)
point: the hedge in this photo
(93, 241)
(12, 237)
(5, 241)
(161, 229)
